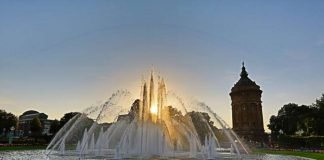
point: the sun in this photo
(154, 109)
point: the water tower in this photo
(247, 109)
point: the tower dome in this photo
(245, 83)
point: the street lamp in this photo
(11, 134)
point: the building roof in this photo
(30, 112)
(245, 83)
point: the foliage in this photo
(55, 126)
(36, 128)
(204, 126)
(7, 120)
(85, 122)
(67, 117)
(35, 125)
(319, 116)
(201, 121)
(175, 113)
(302, 120)
(301, 142)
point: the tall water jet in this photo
(152, 105)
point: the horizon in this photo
(59, 57)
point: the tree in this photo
(36, 127)
(288, 118)
(55, 126)
(7, 120)
(274, 126)
(174, 113)
(67, 117)
(202, 124)
(319, 116)
(200, 120)
(294, 119)
(320, 103)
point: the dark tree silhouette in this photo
(319, 116)
(7, 120)
(55, 126)
(175, 113)
(294, 119)
(36, 128)
(201, 121)
(67, 117)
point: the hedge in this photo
(316, 142)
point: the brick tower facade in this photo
(247, 114)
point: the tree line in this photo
(8, 120)
(299, 120)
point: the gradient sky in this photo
(61, 56)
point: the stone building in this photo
(25, 121)
(247, 114)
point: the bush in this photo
(315, 142)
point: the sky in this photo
(62, 56)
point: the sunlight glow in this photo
(154, 109)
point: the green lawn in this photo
(16, 148)
(318, 156)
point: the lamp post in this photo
(269, 138)
(4, 132)
(11, 134)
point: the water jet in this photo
(148, 127)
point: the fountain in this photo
(158, 125)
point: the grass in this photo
(20, 148)
(318, 156)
